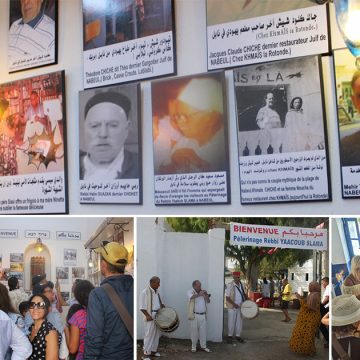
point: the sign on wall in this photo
(127, 40)
(278, 236)
(241, 32)
(190, 140)
(33, 145)
(281, 132)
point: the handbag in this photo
(120, 307)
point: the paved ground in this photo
(266, 338)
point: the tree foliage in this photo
(253, 259)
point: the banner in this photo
(278, 236)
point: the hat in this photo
(236, 273)
(109, 97)
(345, 310)
(36, 279)
(113, 253)
(204, 94)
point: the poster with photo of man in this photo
(127, 40)
(241, 32)
(33, 145)
(190, 140)
(110, 146)
(32, 37)
(347, 78)
(281, 132)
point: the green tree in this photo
(253, 259)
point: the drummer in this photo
(198, 299)
(235, 296)
(150, 303)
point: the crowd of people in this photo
(95, 328)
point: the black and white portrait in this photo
(70, 257)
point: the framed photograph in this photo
(70, 257)
(347, 79)
(281, 132)
(78, 273)
(190, 140)
(241, 32)
(17, 267)
(66, 296)
(19, 276)
(110, 145)
(62, 274)
(16, 257)
(127, 40)
(32, 38)
(33, 145)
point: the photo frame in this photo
(190, 141)
(70, 257)
(111, 164)
(126, 41)
(242, 32)
(33, 145)
(282, 143)
(62, 274)
(32, 36)
(348, 112)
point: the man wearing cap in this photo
(107, 336)
(235, 296)
(150, 303)
(198, 115)
(197, 308)
(106, 129)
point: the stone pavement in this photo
(266, 339)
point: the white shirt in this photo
(327, 293)
(12, 337)
(200, 305)
(238, 298)
(143, 301)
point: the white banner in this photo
(350, 181)
(33, 193)
(267, 38)
(196, 188)
(137, 59)
(68, 235)
(8, 234)
(278, 236)
(121, 191)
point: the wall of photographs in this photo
(321, 180)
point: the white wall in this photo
(178, 259)
(191, 57)
(300, 276)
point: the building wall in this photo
(178, 259)
(190, 22)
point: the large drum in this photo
(249, 309)
(167, 319)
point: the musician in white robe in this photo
(150, 303)
(235, 296)
(197, 308)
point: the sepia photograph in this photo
(33, 34)
(16, 257)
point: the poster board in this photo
(281, 132)
(348, 116)
(190, 140)
(241, 32)
(127, 40)
(33, 178)
(110, 145)
(32, 36)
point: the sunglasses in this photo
(39, 305)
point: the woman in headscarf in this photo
(302, 339)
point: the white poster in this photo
(281, 138)
(239, 41)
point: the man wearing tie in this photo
(235, 296)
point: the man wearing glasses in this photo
(107, 336)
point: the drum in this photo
(249, 309)
(167, 319)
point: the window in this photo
(292, 276)
(307, 277)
